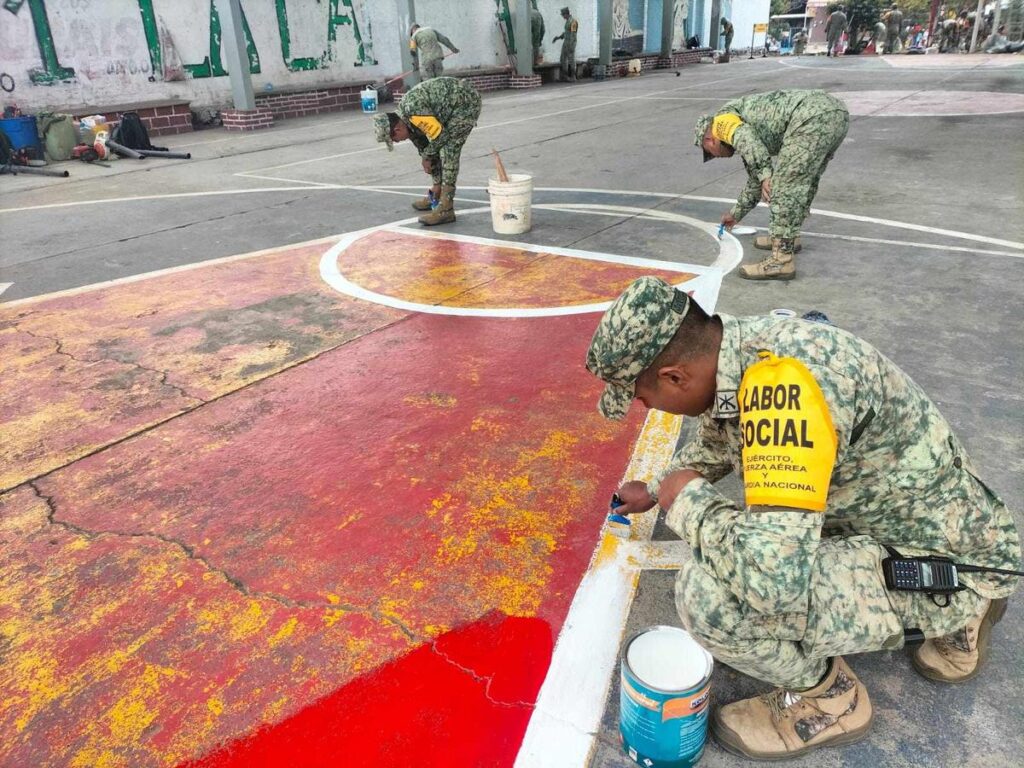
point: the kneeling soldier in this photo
(843, 460)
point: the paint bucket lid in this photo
(668, 659)
(782, 313)
(739, 231)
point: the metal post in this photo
(237, 58)
(995, 17)
(604, 22)
(668, 23)
(977, 25)
(406, 17)
(524, 36)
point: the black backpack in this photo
(131, 132)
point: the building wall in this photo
(64, 53)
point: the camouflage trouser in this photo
(445, 168)
(849, 610)
(431, 68)
(833, 42)
(817, 129)
(892, 37)
(568, 61)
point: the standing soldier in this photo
(878, 37)
(536, 32)
(801, 130)
(950, 36)
(893, 27)
(727, 32)
(425, 44)
(568, 38)
(834, 28)
(437, 116)
(845, 461)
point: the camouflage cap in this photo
(565, 11)
(631, 334)
(382, 127)
(703, 123)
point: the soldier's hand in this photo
(555, 39)
(635, 498)
(673, 484)
(728, 220)
(766, 190)
(428, 165)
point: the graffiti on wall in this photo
(163, 62)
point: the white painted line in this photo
(133, 198)
(905, 243)
(332, 275)
(162, 272)
(4, 287)
(818, 211)
(561, 732)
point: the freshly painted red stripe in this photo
(463, 700)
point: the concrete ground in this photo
(916, 244)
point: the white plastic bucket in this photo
(510, 203)
(368, 98)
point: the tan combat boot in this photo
(423, 204)
(783, 724)
(958, 657)
(764, 243)
(444, 213)
(779, 266)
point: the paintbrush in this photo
(502, 176)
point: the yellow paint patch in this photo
(431, 400)
(284, 632)
(248, 623)
(215, 705)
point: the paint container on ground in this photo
(664, 698)
(23, 133)
(510, 203)
(368, 98)
(782, 313)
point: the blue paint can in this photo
(664, 698)
(23, 134)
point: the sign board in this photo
(760, 28)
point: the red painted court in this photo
(254, 521)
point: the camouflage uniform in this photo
(536, 32)
(893, 24)
(774, 591)
(727, 33)
(448, 108)
(834, 28)
(568, 60)
(426, 48)
(802, 130)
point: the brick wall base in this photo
(160, 119)
(247, 119)
(620, 67)
(297, 103)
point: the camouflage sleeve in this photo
(754, 153)
(749, 197)
(707, 453)
(445, 41)
(763, 554)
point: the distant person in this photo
(878, 36)
(801, 130)
(800, 43)
(425, 44)
(536, 32)
(950, 39)
(893, 27)
(998, 43)
(727, 33)
(437, 116)
(834, 29)
(568, 38)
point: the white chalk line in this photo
(4, 287)
(907, 243)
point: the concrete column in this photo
(524, 36)
(406, 17)
(977, 26)
(604, 25)
(715, 33)
(235, 53)
(668, 22)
